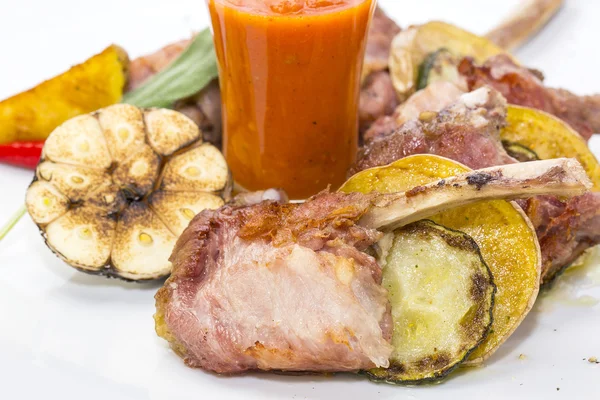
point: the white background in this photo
(68, 335)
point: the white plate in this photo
(67, 335)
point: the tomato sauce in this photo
(290, 79)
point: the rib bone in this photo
(559, 177)
(524, 23)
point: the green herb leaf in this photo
(184, 77)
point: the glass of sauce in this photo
(289, 73)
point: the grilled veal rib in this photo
(468, 131)
(289, 287)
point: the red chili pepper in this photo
(21, 154)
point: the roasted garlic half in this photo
(115, 188)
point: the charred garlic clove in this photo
(177, 209)
(79, 141)
(73, 181)
(123, 127)
(201, 169)
(82, 237)
(137, 175)
(95, 196)
(142, 244)
(45, 202)
(169, 131)
(107, 197)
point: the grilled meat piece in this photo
(519, 85)
(205, 110)
(290, 287)
(471, 123)
(434, 97)
(276, 286)
(144, 67)
(377, 99)
(565, 229)
(381, 33)
(525, 87)
(377, 95)
(468, 131)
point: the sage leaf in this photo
(184, 77)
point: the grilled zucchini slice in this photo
(519, 152)
(440, 65)
(411, 47)
(507, 239)
(441, 293)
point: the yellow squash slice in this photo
(505, 236)
(96, 83)
(411, 47)
(549, 137)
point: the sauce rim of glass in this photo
(259, 8)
